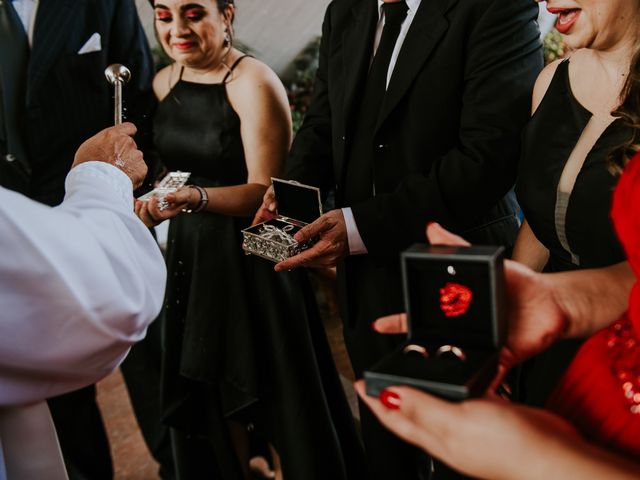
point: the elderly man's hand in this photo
(115, 145)
(331, 247)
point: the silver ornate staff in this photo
(117, 75)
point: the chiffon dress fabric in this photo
(574, 226)
(600, 392)
(241, 342)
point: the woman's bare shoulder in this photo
(251, 72)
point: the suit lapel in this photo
(51, 30)
(357, 43)
(426, 30)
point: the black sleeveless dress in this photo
(240, 340)
(575, 227)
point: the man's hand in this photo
(269, 208)
(331, 247)
(115, 145)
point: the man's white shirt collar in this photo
(412, 4)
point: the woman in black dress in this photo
(564, 184)
(242, 345)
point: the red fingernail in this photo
(390, 399)
(431, 223)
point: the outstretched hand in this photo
(151, 215)
(482, 438)
(536, 320)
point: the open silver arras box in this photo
(298, 205)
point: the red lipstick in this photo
(567, 17)
(183, 45)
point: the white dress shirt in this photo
(79, 284)
(26, 10)
(356, 245)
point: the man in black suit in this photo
(413, 123)
(54, 95)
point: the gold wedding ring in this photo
(452, 349)
(412, 347)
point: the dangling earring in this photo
(227, 39)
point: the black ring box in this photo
(479, 331)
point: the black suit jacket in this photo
(448, 137)
(445, 148)
(68, 98)
(446, 145)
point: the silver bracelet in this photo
(204, 200)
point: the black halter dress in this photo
(240, 340)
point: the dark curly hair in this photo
(629, 112)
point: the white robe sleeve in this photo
(79, 284)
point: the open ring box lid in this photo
(453, 296)
(298, 205)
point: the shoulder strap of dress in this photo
(560, 80)
(563, 68)
(232, 67)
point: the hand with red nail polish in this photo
(489, 438)
(390, 399)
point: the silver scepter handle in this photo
(117, 75)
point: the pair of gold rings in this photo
(444, 350)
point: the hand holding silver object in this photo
(117, 75)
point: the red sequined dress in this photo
(600, 392)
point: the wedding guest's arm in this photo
(259, 98)
(528, 250)
(494, 439)
(544, 307)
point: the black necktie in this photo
(376, 86)
(359, 173)
(14, 59)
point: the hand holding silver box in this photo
(298, 205)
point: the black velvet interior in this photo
(478, 268)
(298, 201)
(447, 377)
(479, 332)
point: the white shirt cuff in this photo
(356, 245)
(101, 174)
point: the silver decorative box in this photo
(298, 205)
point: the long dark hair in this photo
(629, 112)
